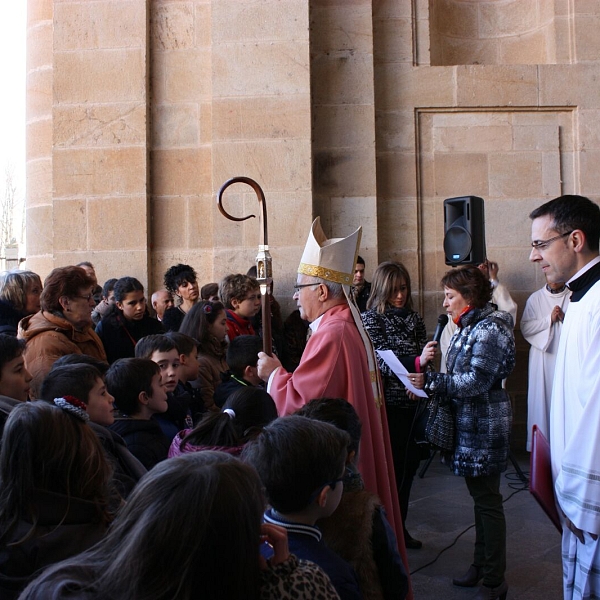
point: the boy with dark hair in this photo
(85, 383)
(14, 377)
(240, 294)
(242, 356)
(359, 530)
(77, 375)
(139, 392)
(301, 463)
(163, 351)
(188, 371)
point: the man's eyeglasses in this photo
(299, 286)
(542, 244)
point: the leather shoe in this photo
(470, 579)
(496, 593)
(411, 543)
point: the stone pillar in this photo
(39, 136)
(88, 72)
(343, 92)
(261, 128)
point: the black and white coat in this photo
(403, 332)
(480, 355)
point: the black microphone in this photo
(441, 323)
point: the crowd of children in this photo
(142, 476)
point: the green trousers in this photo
(490, 528)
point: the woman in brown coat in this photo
(62, 326)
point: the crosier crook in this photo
(264, 267)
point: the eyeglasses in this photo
(542, 244)
(299, 286)
(88, 297)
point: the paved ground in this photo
(441, 509)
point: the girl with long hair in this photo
(393, 325)
(153, 553)
(244, 415)
(54, 489)
(207, 323)
(127, 322)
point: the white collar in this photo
(315, 324)
(585, 268)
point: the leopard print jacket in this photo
(296, 579)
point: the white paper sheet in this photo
(400, 371)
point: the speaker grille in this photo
(457, 244)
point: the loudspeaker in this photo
(464, 231)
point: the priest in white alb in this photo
(541, 325)
(565, 233)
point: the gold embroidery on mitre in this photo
(324, 273)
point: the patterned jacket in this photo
(481, 354)
(403, 332)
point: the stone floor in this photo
(441, 509)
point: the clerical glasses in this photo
(543, 244)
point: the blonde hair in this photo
(14, 286)
(387, 279)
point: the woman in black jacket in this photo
(128, 322)
(393, 325)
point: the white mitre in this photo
(335, 260)
(330, 259)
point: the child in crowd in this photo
(191, 530)
(54, 490)
(210, 292)
(84, 381)
(163, 351)
(108, 299)
(189, 368)
(139, 393)
(181, 281)
(240, 294)
(128, 321)
(207, 323)
(242, 356)
(14, 377)
(244, 415)
(301, 463)
(358, 530)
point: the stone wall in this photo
(367, 112)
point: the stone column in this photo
(39, 136)
(261, 128)
(94, 192)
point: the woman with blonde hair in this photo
(19, 296)
(393, 325)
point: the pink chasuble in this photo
(334, 365)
